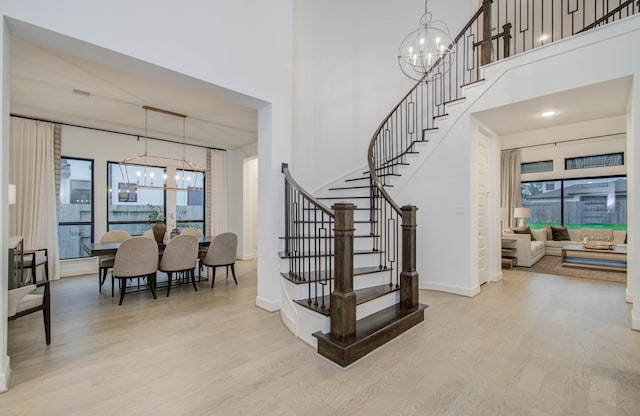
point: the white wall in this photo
(593, 137)
(347, 79)
(240, 50)
(235, 202)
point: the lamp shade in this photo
(12, 194)
(521, 212)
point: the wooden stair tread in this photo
(372, 332)
(344, 197)
(330, 236)
(319, 221)
(362, 296)
(284, 255)
(315, 275)
(340, 188)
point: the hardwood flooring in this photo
(530, 345)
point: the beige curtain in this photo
(32, 170)
(217, 180)
(510, 186)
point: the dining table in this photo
(109, 249)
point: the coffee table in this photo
(569, 259)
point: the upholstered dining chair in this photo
(180, 256)
(23, 302)
(202, 251)
(106, 262)
(222, 252)
(136, 257)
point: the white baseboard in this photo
(635, 318)
(628, 296)
(456, 290)
(247, 257)
(78, 267)
(495, 277)
(267, 305)
(5, 375)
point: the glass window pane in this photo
(76, 177)
(190, 204)
(131, 206)
(595, 203)
(543, 199)
(71, 238)
(535, 167)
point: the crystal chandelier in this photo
(138, 170)
(425, 54)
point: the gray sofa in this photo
(530, 252)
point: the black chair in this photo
(23, 302)
(35, 258)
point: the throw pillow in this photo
(549, 234)
(560, 234)
(596, 234)
(525, 230)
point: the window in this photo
(128, 206)
(535, 167)
(190, 209)
(595, 202)
(544, 201)
(75, 212)
(597, 161)
(577, 203)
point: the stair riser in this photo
(378, 304)
(345, 193)
(301, 291)
(364, 243)
(318, 229)
(361, 260)
(358, 215)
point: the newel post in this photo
(486, 48)
(409, 276)
(343, 298)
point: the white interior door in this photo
(483, 217)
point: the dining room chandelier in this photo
(138, 171)
(426, 53)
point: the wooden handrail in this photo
(320, 205)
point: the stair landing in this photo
(372, 332)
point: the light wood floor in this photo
(530, 345)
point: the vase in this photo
(159, 229)
(174, 233)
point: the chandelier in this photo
(425, 54)
(137, 171)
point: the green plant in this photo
(155, 215)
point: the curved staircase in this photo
(348, 263)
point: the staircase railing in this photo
(525, 25)
(309, 241)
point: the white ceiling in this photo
(596, 101)
(43, 80)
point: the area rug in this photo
(551, 265)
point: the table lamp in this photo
(522, 213)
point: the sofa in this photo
(528, 252)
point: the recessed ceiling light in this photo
(548, 114)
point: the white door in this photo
(483, 218)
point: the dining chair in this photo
(136, 257)
(35, 258)
(180, 256)
(23, 302)
(202, 252)
(106, 262)
(149, 234)
(222, 252)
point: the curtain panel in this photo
(32, 170)
(217, 180)
(510, 186)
